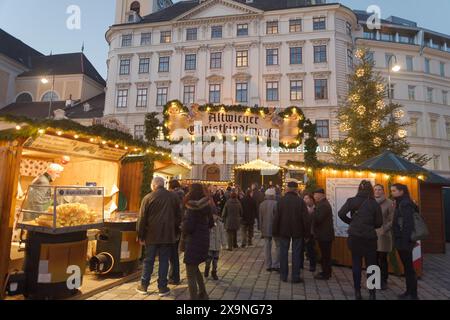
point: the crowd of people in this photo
(201, 220)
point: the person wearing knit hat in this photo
(323, 229)
(267, 211)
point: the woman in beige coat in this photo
(384, 233)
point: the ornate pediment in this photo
(215, 78)
(218, 8)
(242, 76)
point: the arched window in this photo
(212, 173)
(51, 95)
(24, 97)
(136, 7)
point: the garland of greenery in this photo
(302, 123)
(148, 171)
(341, 167)
(32, 128)
(147, 175)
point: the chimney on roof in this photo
(69, 102)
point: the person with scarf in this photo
(384, 245)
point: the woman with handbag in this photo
(403, 227)
(365, 218)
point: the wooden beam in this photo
(10, 157)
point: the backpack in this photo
(420, 231)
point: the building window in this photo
(350, 58)
(406, 39)
(146, 39)
(323, 129)
(216, 60)
(242, 92)
(272, 91)
(371, 56)
(144, 65)
(295, 25)
(389, 37)
(24, 97)
(321, 89)
(190, 62)
(412, 93)
(409, 64)
(124, 67)
(122, 98)
(139, 132)
(437, 162)
(164, 63)
(371, 35)
(242, 29)
(214, 93)
(442, 69)
(242, 58)
(271, 57)
(445, 97)
(447, 130)
(348, 28)
(296, 55)
(433, 126)
(319, 23)
(296, 90)
(216, 32)
(389, 59)
(142, 95)
(413, 127)
(189, 94)
(191, 34)
(430, 95)
(50, 96)
(427, 65)
(161, 96)
(272, 27)
(320, 54)
(127, 40)
(166, 37)
(391, 91)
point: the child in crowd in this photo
(216, 241)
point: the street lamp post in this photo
(45, 81)
(394, 68)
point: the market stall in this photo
(61, 180)
(341, 182)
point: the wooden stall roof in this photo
(18, 127)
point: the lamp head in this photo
(396, 68)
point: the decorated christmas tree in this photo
(368, 124)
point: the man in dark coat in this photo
(323, 230)
(174, 262)
(249, 212)
(258, 197)
(158, 225)
(288, 225)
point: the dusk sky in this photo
(42, 24)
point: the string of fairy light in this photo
(361, 110)
(99, 140)
(329, 171)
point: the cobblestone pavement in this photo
(243, 277)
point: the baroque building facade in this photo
(265, 53)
